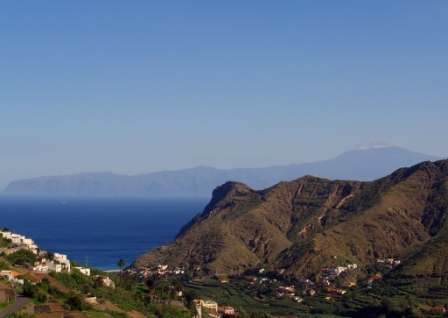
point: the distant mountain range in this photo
(364, 163)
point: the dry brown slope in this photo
(391, 225)
(301, 225)
(242, 227)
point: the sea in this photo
(98, 231)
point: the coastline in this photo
(133, 227)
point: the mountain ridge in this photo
(356, 164)
(311, 223)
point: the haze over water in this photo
(101, 229)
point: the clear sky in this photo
(140, 86)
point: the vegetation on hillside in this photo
(128, 295)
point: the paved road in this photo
(20, 302)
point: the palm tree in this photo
(121, 263)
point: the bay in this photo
(98, 230)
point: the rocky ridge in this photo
(310, 223)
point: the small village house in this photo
(12, 276)
(227, 310)
(105, 280)
(438, 309)
(84, 270)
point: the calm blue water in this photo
(101, 229)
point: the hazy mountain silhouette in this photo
(364, 163)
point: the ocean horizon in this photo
(98, 231)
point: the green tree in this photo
(98, 283)
(86, 288)
(75, 301)
(129, 280)
(41, 297)
(242, 312)
(21, 257)
(152, 283)
(189, 298)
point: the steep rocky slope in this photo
(310, 222)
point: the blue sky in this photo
(139, 86)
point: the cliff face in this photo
(303, 224)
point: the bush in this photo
(21, 257)
(75, 301)
(41, 297)
(4, 265)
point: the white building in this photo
(62, 259)
(6, 234)
(12, 276)
(20, 240)
(209, 307)
(341, 269)
(41, 268)
(210, 304)
(298, 299)
(85, 271)
(105, 280)
(16, 238)
(52, 266)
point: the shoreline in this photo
(111, 271)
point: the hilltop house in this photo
(106, 281)
(209, 307)
(41, 268)
(287, 290)
(52, 266)
(62, 260)
(58, 264)
(20, 241)
(84, 270)
(226, 310)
